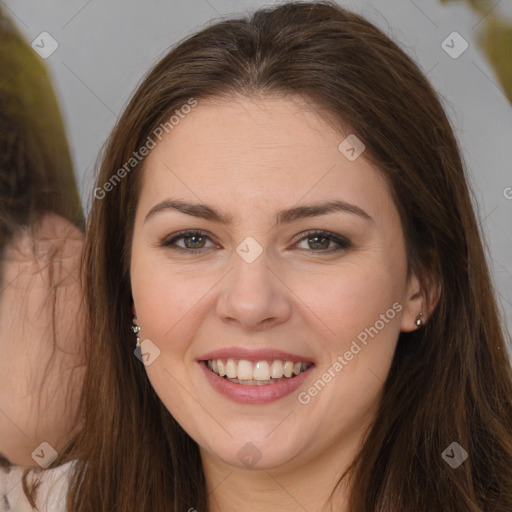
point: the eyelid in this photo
(171, 240)
(343, 242)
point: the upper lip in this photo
(253, 355)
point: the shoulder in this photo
(51, 493)
(50, 496)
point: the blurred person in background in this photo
(41, 236)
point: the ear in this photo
(419, 300)
(133, 310)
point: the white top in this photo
(50, 495)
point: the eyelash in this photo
(343, 242)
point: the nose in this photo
(254, 296)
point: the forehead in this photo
(259, 149)
(272, 128)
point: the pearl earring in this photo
(419, 321)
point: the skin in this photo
(40, 384)
(250, 158)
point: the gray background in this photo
(106, 47)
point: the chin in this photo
(253, 453)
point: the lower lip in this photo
(254, 394)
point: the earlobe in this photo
(418, 306)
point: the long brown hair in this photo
(450, 381)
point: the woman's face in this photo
(264, 296)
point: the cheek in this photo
(359, 311)
(165, 299)
(352, 298)
(340, 302)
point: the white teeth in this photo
(276, 370)
(231, 369)
(245, 371)
(288, 369)
(260, 372)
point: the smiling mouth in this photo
(260, 373)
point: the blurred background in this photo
(97, 52)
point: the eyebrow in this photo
(286, 216)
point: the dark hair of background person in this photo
(449, 381)
(36, 171)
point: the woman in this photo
(283, 219)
